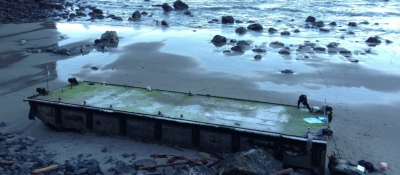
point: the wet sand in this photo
(364, 125)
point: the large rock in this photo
(252, 162)
(136, 15)
(285, 33)
(352, 24)
(272, 30)
(227, 20)
(259, 50)
(241, 30)
(97, 11)
(255, 27)
(373, 39)
(179, 5)
(218, 39)
(166, 7)
(109, 38)
(239, 48)
(242, 43)
(332, 45)
(319, 24)
(310, 19)
(284, 51)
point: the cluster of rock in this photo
(26, 11)
(107, 39)
(308, 47)
(76, 50)
(21, 156)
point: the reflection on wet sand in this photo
(154, 52)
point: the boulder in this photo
(136, 15)
(272, 30)
(324, 30)
(259, 50)
(310, 19)
(242, 43)
(287, 71)
(218, 39)
(255, 27)
(251, 162)
(284, 51)
(333, 24)
(109, 38)
(352, 24)
(286, 33)
(258, 57)
(164, 23)
(277, 43)
(117, 18)
(373, 39)
(179, 5)
(332, 45)
(97, 11)
(241, 30)
(239, 48)
(227, 20)
(320, 49)
(319, 24)
(166, 7)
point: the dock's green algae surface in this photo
(214, 110)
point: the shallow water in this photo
(377, 73)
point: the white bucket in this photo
(383, 166)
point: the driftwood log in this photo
(171, 161)
(7, 162)
(46, 169)
(283, 172)
(164, 165)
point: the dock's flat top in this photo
(236, 113)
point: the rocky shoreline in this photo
(26, 156)
(21, 155)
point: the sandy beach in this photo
(365, 127)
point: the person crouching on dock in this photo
(303, 100)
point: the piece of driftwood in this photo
(7, 162)
(283, 172)
(173, 159)
(166, 156)
(46, 169)
(171, 164)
